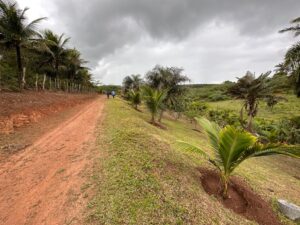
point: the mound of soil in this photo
(242, 199)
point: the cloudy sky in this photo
(213, 40)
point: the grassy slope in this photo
(142, 178)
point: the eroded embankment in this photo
(19, 109)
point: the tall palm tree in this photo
(15, 32)
(54, 47)
(295, 28)
(251, 90)
(231, 147)
(154, 99)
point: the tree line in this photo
(40, 60)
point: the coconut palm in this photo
(154, 99)
(292, 66)
(135, 98)
(251, 90)
(15, 32)
(231, 147)
(169, 78)
(295, 28)
(132, 82)
(54, 47)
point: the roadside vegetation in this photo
(37, 59)
(144, 176)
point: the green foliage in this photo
(284, 130)
(135, 98)
(250, 90)
(133, 82)
(170, 80)
(208, 92)
(43, 61)
(231, 147)
(154, 100)
(223, 117)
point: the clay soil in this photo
(242, 199)
(47, 181)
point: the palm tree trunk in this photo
(224, 180)
(44, 81)
(20, 67)
(152, 118)
(249, 126)
(160, 115)
(36, 82)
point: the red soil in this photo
(20, 109)
(242, 199)
(42, 184)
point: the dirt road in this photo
(46, 182)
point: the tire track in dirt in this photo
(43, 183)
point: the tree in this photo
(231, 147)
(154, 99)
(53, 46)
(292, 66)
(132, 82)
(251, 90)
(295, 28)
(273, 100)
(15, 32)
(135, 98)
(167, 78)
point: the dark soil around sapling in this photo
(242, 199)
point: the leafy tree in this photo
(231, 147)
(250, 89)
(135, 98)
(154, 99)
(133, 82)
(295, 28)
(15, 32)
(167, 78)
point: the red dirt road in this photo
(45, 183)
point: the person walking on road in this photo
(113, 94)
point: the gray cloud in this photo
(101, 29)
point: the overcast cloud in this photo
(213, 40)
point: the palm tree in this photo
(135, 98)
(132, 82)
(250, 89)
(54, 48)
(231, 147)
(292, 65)
(15, 32)
(295, 28)
(169, 78)
(154, 99)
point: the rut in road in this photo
(43, 183)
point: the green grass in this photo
(284, 109)
(142, 177)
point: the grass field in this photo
(142, 177)
(284, 109)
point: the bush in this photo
(284, 131)
(224, 117)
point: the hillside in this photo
(142, 177)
